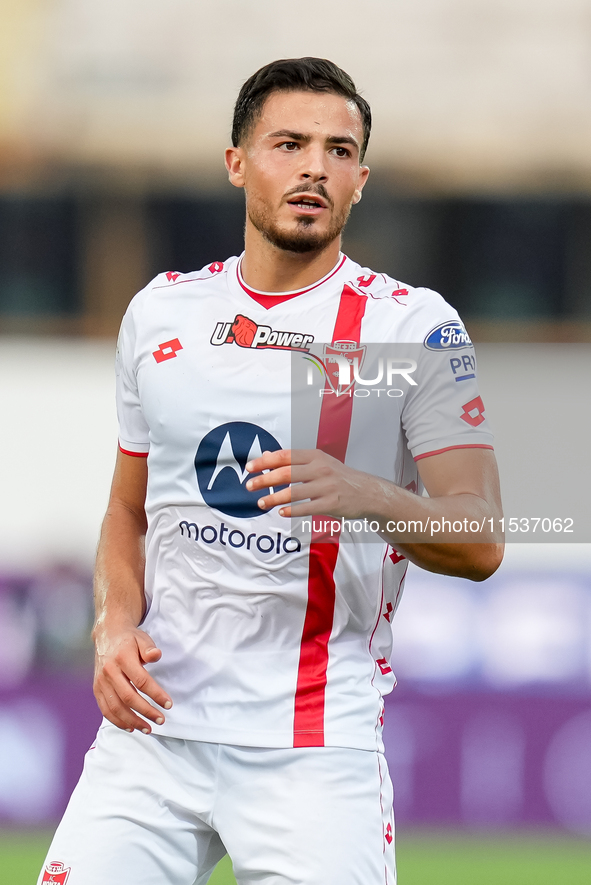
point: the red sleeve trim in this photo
(450, 449)
(133, 454)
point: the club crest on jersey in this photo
(352, 352)
(246, 333)
(448, 336)
(56, 873)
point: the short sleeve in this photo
(444, 409)
(134, 436)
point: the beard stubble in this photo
(304, 238)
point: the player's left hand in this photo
(322, 483)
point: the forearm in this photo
(463, 485)
(119, 574)
(122, 684)
(423, 528)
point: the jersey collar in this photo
(270, 299)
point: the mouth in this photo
(309, 204)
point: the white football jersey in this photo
(271, 637)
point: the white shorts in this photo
(152, 810)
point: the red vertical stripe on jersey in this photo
(333, 437)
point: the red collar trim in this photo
(269, 300)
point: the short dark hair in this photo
(293, 75)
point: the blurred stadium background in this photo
(113, 120)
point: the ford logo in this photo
(448, 336)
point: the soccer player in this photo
(241, 663)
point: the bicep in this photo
(463, 471)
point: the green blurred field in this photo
(424, 858)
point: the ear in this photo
(363, 176)
(234, 159)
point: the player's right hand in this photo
(120, 674)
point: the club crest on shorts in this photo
(56, 873)
(353, 352)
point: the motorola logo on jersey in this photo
(220, 464)
(234, 538)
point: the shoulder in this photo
(380, 287)
(417, 309)
(173, 282)
(213, 270)
(174, 279)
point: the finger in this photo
(128, 691)
(140, 677)
(314, 490)
(321, 507)
(288, 475)
(115, 712)
(269, 461)
(150, 655)
(307, 508)
(274, 500)
(308, 456)
(113, 682)
(145, 683)
(122, 699)
(279, 477)
(285, 458)
(147, 647)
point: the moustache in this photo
(317, 189)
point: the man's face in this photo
(300, 169)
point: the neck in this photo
(269, 269)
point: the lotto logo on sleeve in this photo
(168, 350)
(473, 412)
(56, 872)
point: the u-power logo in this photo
(246, 333)
(341, 368)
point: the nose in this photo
(314, 165)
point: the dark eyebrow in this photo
(299, 136)
(342, 139)
(287, 133)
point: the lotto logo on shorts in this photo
(56, 872)
(246, 333)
